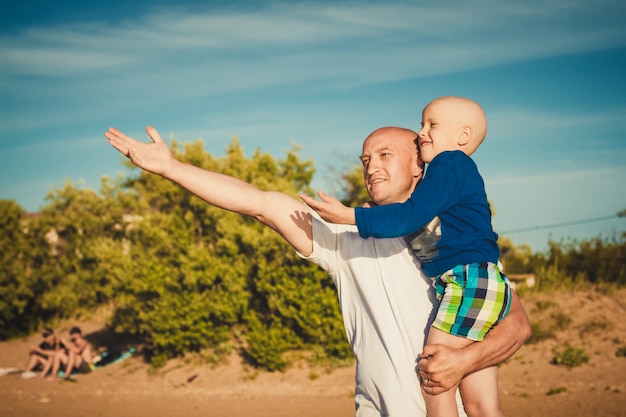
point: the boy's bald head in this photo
(451, 123)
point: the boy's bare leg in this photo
(480, 393)
(444, 404)
(479, 390)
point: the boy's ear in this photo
(466, 135)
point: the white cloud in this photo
(319, 42)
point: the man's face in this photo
(391, 167)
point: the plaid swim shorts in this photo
(472, 299)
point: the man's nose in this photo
(372, 167)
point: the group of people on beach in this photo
(417, 271)
(55, 354)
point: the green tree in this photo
(354, 188)
(18, 291)
(76, 224)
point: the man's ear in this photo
(418, 169)
(466, 135)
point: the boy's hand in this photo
(155, 157)
(330, 209)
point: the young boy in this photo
(448, 219)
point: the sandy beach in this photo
(529, 384)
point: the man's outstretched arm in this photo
(444, 367)
(289, 217)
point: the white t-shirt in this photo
(387, 305)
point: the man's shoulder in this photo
(48, 346)
(81, 344)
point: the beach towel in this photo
(106, 359)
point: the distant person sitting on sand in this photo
(75, 355)
(42, 354)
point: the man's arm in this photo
(289, 217)
(44, 352)
(69, 346)
(444, 367)
(86, 353)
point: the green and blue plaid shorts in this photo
(472, 299)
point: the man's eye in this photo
(364, 161)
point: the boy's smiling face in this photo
(441, 131)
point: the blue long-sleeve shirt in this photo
(453, 192)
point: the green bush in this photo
(554, 391)
(593, 326)
(19, 291)
(573, 265)
(561, 320)
(570, 357)
(267, 345)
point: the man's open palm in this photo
(155, 157)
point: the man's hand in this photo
(441, 368)
(330, 209)
(155, 157)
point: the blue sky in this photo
(324, 74)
